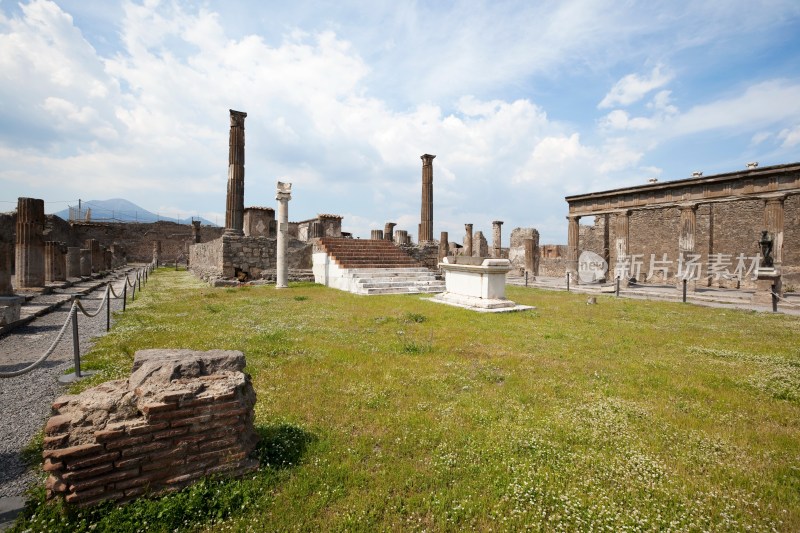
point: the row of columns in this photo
(773, 223)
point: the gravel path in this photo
(25, 400)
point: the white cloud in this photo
(634, 87)
(790, 136)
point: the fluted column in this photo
(376, 235)
(234, 206)
(29, 243)
(621, 237)
(50, 261)
(573, 238)
(284, 194)
(468, 240)
(773, 223)
(5, 270)
(497, 245)
(400, 236)
(388, 231)
(426, 217)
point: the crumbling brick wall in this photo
(180, 416)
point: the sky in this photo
(522, 102)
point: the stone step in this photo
(391, 283)
(401, 290)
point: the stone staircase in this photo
(366, 266)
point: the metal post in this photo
(133, 292)
(108, 307)
(526, 278)
(76, 347)
(774, 300)
(125, 294)
(617, 288)
(684, 290)
(567, 281)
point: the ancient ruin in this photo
(283, 195)
(234, 205)
(29, 261)
(181, 415)
(426, 217)
(467, 241)
(476, 283)
(497, 245)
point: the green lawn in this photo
(390, 412)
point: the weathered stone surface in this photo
(30, 243)
(480, 246)
(182, 414)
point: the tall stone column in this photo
(532, 255)
(284, 194)
(234, 206)
(444, 246)
(29, 243)
(388, 231)
(5, 270)
(468, 240)
(86, 262)
(573, 238)
(426, 217)
(773, 223)
(73, 262)
(196, 231)
(157, 252)
(686, 239)
(497, 247)
(93, 245)
(376, 235)
(51, 261)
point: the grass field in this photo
(390, 412)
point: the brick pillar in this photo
(388, 231)
(73, 262)
(497, 245)
(376, 235)
(444, 246)
(196, 231)
(468, 240)
(686, 239)
(29, 243)
(773, 223)
(234, 205)
(51, 259)
(86, 262)
(573, 238)
(426, 216)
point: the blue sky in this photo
(523, 103)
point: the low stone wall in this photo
(180, 416)
(245, 258)
(552, 267)
(427, 254)
(205, 259)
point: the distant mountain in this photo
(120, 210)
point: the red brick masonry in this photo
(180, 416)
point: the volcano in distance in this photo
(120, 210)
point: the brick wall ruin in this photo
(180, 416)
(245, 258)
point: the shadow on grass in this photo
(282, 446)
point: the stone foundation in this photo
(180, 416)
(245, 258)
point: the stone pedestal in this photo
(476, 283)
(234, 205)
(376, 235)
(284, 194)
(86, 263)
(29, 243)
(767, 281)
(73, 262)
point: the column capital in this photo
(237, 118)
(773, 198)
(686, 206)
(624, 212)
(427, 159)
(468, 227)
(284, 192)
(497, 223)
(574, 217)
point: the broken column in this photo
(195, 231)
(73, 262)
(497, 246)
(468, 240)
(532, 256)
(10, 303)
(93, 245)
(86, 262)
(388, 231)
(29, 243)
(573, 238)
(284, 194)
(426, 218)
(400, 236)
(444, 246)
(157, 253)
(234, 206)
(376, 235)
(52, 255)
(686, 243)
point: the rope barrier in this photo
(784, 300)
(77, 305)
(49, 351)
